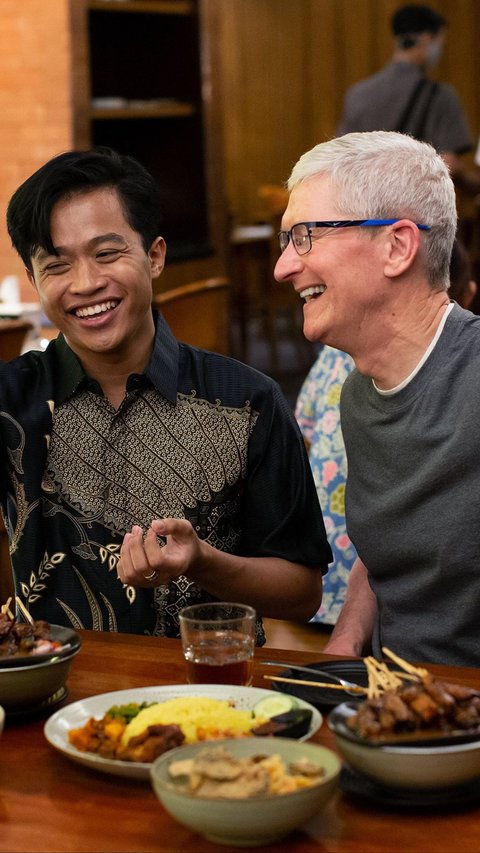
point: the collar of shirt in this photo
(162, 369)
(408, 69)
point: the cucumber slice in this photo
(270, 706)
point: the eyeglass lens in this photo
(300, 236)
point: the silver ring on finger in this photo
(151, 576)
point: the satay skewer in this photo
(408, 667)
(6, 608)
(24, 610)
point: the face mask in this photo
(434, 52)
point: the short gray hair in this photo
(385, 175)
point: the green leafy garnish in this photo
(128, 712)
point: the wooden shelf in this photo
(144, 84)
(156, 7)
(164, 111)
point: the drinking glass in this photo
(218, 640)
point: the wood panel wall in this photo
(35, 104)
(286, 66)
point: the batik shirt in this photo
(318, 414)
(197, 436)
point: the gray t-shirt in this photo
(379, 103)
(413, 499)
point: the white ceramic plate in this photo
(76, 715)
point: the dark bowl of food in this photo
(35, 660)
(424, 735)
(28, 644)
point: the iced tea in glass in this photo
(218, 640)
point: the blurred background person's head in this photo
(419, 33)
(463, 288)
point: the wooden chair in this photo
(12, 336)
(6, 574)
(301, 636)
(249, 268)
(199, 313)
(281, 307)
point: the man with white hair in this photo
(366, 241)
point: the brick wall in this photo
(35, 101)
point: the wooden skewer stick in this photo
(408, 667)
(355, 689)
(24, 610)
(6, 608)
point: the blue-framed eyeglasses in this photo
(301, 233)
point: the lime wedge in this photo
(270, 706)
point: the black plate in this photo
(366, 790)
(67, 636)
(322, 697)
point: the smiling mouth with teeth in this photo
(312, 292)
(95, 310)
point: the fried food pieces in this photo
(104, 738)
(214, 772)
(422, 705)
(22, 638)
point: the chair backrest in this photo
(12, 336)
(280, 300)
(199, 313)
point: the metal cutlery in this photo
(348, 686)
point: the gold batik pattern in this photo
(107, 470)
(149, 459)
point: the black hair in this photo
(30, 208)
(414, 19)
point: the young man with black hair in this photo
(140, 474)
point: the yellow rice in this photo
(199, 717)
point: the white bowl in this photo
(254, 821)
(406, 766)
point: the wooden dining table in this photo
(51, 804)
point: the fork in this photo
(350, 687)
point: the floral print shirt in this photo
(318, 415)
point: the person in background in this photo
(318, 415)
(366, 241)
(401, 97)
(140, 474)
(463, 287)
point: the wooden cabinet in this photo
(7, 588)
(145, 83)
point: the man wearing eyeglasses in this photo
(366, 241)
